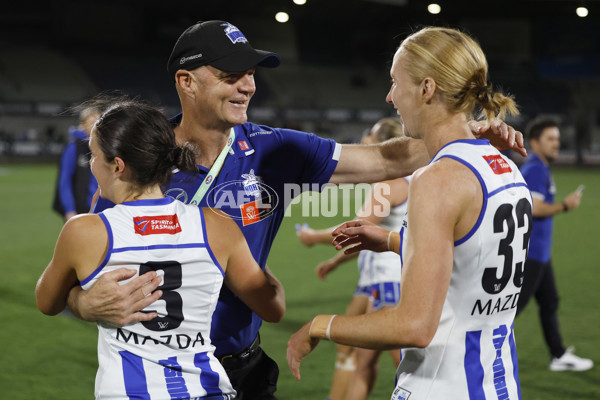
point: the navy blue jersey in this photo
(541, 184)
(76, 185)
(264, 170)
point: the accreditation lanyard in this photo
(214, 171)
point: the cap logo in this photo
(234, 34)
(186, 59)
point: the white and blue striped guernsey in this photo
(170, 357)
(473, 353)
(286, 163)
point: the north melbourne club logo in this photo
(248, 199)
(251, 184)
(401, 394)
(234, 34)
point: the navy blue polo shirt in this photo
(541, 184)
(264, 170)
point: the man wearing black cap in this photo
(245, 170)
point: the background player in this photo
(544, 139)
(192, 250)
(76, 185)
(469, 219)
(378, 285)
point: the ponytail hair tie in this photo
(483, 91)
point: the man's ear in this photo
(184, 80)
(427, 88)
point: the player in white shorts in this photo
(191, 250)
(378, 284)
(469, 221)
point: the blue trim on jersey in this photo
(210, 252)
(475, 142)
(209, 379)
(485, 197)
(163, 201)
(400, 250)
(515, 360)
(511, 185)
(134, 376)
(160, 246)
(108, 252)
(473, 367)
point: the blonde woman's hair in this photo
(459, 68)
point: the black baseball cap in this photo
(219, 44)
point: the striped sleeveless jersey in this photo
(473, 353)
(170, 357)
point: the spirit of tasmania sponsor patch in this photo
(157, 224)
(498, 164)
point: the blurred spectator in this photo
(76, 185)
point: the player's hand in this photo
(305, 234)
(299, 346)
(324, 268)
(118, 304)
(573, 199)
(363, 234)
(501, 135)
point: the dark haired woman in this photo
(192, 250)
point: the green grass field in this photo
(55, 357)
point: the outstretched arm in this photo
(394, 158)
(330, 265)
(402, 156)
(362, 235)
(543, 209)
(309, 237)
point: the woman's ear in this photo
(428, 87)
(118, 167)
